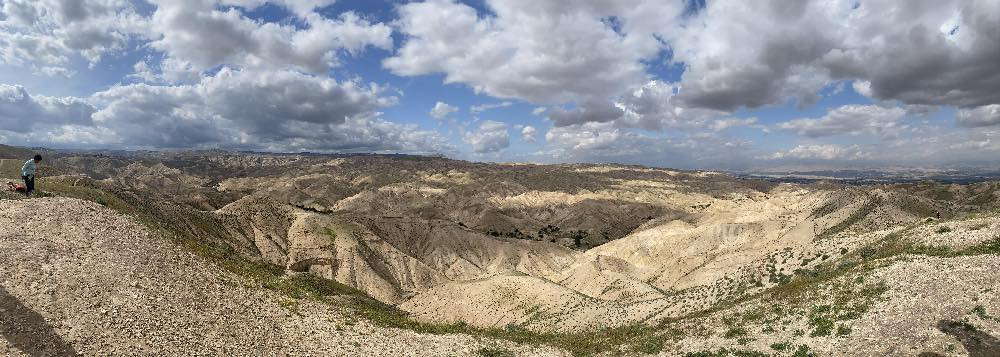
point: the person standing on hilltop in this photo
(28, 174)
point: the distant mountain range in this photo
(875, 176)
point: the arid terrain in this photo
(229, 253)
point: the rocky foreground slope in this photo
(78, 278)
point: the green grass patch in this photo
(332, 235)
(734, 332)
(292, 305)
(843, 330)
(727, 352)
(980, 312)
(66, 187)
(867, 208)
(989, 247)
(850, 302)
(781, 346)
(822, 326)
(978, 226)
(803, 351)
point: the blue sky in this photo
(688, 84)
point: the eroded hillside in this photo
(78, 278)
(700, 261)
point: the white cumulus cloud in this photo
(536, 51)
(986, 115)
(442, 110)
(823, 152)
(45, 35)
(490, 137)
(195, 34)
(234, 109)
(850, 120)
(528, 133)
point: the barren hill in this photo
(80, 278)
(591, 258)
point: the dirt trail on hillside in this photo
(77, 278)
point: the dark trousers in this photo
(29, 184)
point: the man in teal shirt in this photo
(28, 174)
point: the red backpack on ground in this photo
(16, 187)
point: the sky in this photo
(696, 84)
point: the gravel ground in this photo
(926, 293)
(77, 278)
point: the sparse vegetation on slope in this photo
(701, 268)
(306, 286)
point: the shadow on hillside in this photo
(978, 343)
(26, 330)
